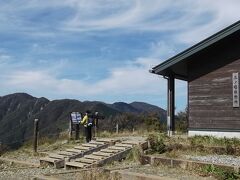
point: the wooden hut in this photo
(211, 69)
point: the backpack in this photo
(90, 122)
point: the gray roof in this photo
(161, 68)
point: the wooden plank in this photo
(124, 145)
(89, 151)
(57, 163)
(102, 154)
(94, 157)
(76, 164)
(85, 160)
(210, 92)
(118, 148)
(131, 142)
(74, 150)
(89, 145)
(81, 148)
(96, 142)
(109, 150)
(49, 159)
(115, 157)
(105, 140)
(57, 156)
(66, 153)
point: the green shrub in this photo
(134, 155)
(219, 173)
(157, 143)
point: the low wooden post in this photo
(35, 135)
(70, 130)
(117, 128)
(77, 127)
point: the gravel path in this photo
(34, 160)
(175, 173)
(218, 159)
(7, 172)
(161, 172)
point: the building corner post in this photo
(171, 106)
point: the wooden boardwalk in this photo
(106, 155)
(58, 159)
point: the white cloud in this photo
(191, 21)
(161, 49)
(223, 13)
(4, 59)
(133, 78)
(184, 21)
(182, 17)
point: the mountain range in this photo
(18, 111)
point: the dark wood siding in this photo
(210, 88)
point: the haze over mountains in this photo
(18, 111)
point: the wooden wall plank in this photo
(210, 88)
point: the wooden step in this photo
(94, 157)
(89, 145)
(131, 142)
(96, 142)
(77, 151)
(66, 153)
(76, 164)
(105, 140)
(102, 154)
(57, 156)
(47, 159)
(57, 163)
(118, 148)
(110, 150)
(124, 145)
(82, 148)
(84, 160)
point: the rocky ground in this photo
(9, 172)
(13, 171)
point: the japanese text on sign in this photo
(76, 117)
(235, 80)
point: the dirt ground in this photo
(110, 171)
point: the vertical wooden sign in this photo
(235, 81)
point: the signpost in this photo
(75, 119)
(235, 81)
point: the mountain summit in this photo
(18, 111)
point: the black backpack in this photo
(90, 121)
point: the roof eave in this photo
(196, 48)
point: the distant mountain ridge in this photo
(18, 111)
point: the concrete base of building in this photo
(170, 133)
(217, 134)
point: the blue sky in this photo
(101, 49)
